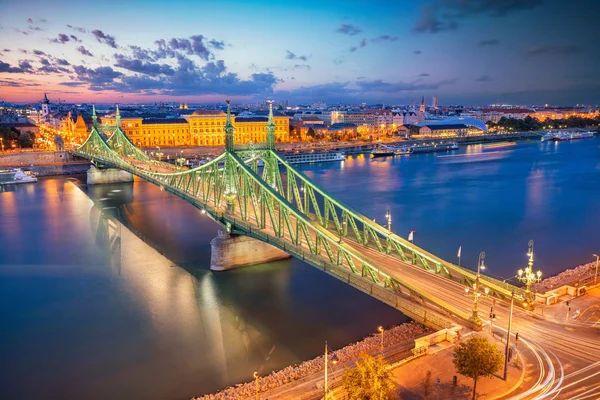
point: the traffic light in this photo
(567, 304)
(517, 337)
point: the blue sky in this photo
(464, 51)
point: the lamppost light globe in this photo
(255, 375)
(482, 265)
(520, 272)
(486, 290)
(474, 286)
(380, 328)
(539, 274)
(466, 290)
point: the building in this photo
(45, 106)
(343, 130)
(301, 127)
(449, 128)
(201, 128)
(494, 114)
(434, 103)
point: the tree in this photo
(26, 139)
(310, 132)
(477, 358)
(369, 380)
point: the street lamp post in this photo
(334, 361)
(476, 293)
(512, 300)
(256, 385)
(388, 215)
(527, 276)
(380, 329)
(596, 275)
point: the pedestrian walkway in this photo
(574, 310)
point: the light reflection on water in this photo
(91, 310)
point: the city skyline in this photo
(475, 51)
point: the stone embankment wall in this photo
(399, 334)
(45, 163)
(581, 274)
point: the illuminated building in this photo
(450, 128)
(201, 128)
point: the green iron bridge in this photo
(251, 190)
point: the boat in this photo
(430, 148)
(15, 176)
(382, 151)
(499, 145)
(314, 157)
(562, 136)
(402, 151)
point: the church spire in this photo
(271, 128)
(118, 117)
(229, 130)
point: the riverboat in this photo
(430, 148)
(16, 176)
(382, 151)
(314, 157)
(563, 136)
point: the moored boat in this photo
(15, 176)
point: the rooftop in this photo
(156, 121)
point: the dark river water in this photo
(106, 292)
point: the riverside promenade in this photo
(304, 379)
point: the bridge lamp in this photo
(380, 329)
(255, 375)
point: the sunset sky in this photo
(464, 51)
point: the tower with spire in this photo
(229, 130)
(421, 116)
(45, 106)
(271, 128)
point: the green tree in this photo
(369, 380)
(26, 139)
(310, 132)
(477, 358)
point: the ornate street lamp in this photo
(476, 291)
(527, 276)
(334, 361)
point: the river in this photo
(90, 310)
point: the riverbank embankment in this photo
(398, 334)
(578, 276)
(47, 163)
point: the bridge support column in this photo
(234, 251)
(97, 176)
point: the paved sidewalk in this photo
(410, 377)
(584, 309)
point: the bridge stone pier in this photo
(96, 176)
(235, 251)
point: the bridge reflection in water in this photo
(279, 205)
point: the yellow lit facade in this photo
(202, 128)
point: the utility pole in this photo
(512, 300)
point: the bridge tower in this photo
(94, 118)
(118, 117)
(271, 129)
(230, 192)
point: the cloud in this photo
(84, 51)
(388, 87)
(97, 78)
(417, 52)
(177, 46)
(363, 43)
(6, 50)
(76, 28)
(75, 38)
(291, 56)
(44, 61)
(51, 69)
(483, 78)
(39, 53)
(385, 38)
(62, 61)
(62, 38)
(338, 61)
(302, 66)
(424, 74)
(19, 83)
(73, 83)
(142, 67)
(29, 21)
(4, 67)
(348, 29)
(567, 49)
(443, 15)
(216, 44)
(104, 38)
(25, 65)
(489, 42)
